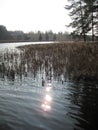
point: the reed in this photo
(75, 60)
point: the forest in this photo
(20, 36)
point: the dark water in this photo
(37, 95)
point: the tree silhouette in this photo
(54, 37)
(40, 37)
(46, 36)
(83, 17)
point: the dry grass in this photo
(77, 61)
(73, 61)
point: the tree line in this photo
(15, 36)
(84, 14)
(6, 35)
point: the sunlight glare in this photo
(48, 89)
(46, 107)
(48, 98)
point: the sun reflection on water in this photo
(48, 98)
(46, 105)
(48, 89)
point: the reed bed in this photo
(75, 60)
(72, 61)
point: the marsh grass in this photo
(62, 61)
(75, 60)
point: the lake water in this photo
(36, 95)
(10, 45)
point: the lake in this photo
(35, 93)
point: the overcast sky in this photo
(34, 15)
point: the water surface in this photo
(35, 93)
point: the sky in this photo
(34, 15)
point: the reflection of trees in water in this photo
(84, 106)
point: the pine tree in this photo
(83, 13)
